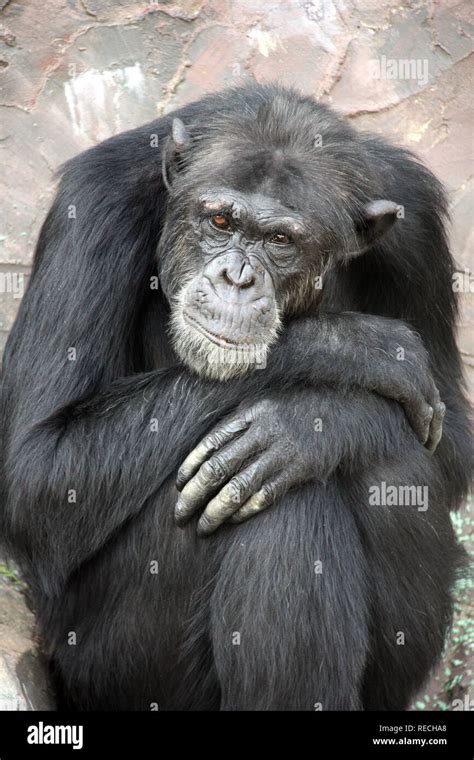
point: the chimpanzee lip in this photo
(219, 340)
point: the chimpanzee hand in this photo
(249, 460)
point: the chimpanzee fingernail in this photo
(180, 514)
(205, 528)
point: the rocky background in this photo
(73, 72)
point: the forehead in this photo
(250, 203)
(270, 173)
(314, 185)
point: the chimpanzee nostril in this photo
(227, 278)
(247, 282)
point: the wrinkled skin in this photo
(249, 462)
(251, 249)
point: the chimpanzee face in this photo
(251, 251)
(243, 249)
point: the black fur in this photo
(166, 638)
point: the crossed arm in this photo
(249, 461)
(110, 455)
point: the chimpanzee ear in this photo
(178, 143)
(377, 218)
(180, 136)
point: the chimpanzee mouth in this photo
(219, 340)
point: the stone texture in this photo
(23, 683)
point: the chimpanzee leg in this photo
(413, 559)
(132, 630)
(290, 607)
(335, 599)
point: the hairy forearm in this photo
(123, 443)
(348, 349)
(369, 352)
(119, 445)
(348, 429)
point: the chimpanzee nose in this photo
(236, 278)
(241, 277)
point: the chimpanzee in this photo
(243, 309)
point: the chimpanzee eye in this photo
(220, 222)
(281, 238)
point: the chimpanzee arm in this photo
(77, 476)
(64, 472)
(251, 459)
(343, 351)
(370, 352)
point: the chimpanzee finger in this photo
(217, 438)
(436, 429)
(215, 472)
(235, 494)
(269, 493)
(419, 415)
(426, 418)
